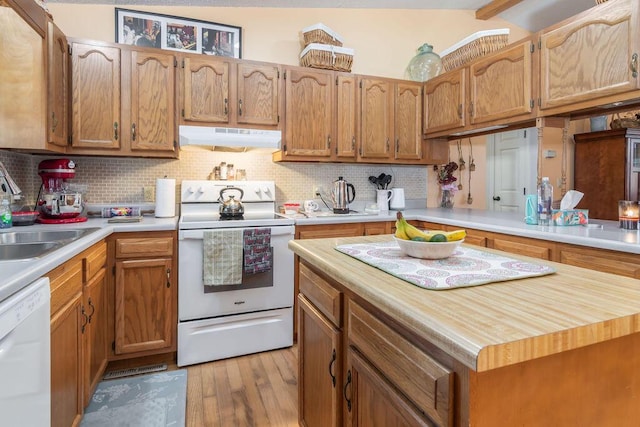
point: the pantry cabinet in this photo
(145, 293)
(590, 57)
(227, 92)
(78, 333)
(123, 100)
(606, 170)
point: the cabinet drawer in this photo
(524, 247)
(144, 246)
(94, 259)
(66, 283)
(325, 297)
(421, 379)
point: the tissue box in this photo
(570, 217)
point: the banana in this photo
(406, 231)
(455, 235)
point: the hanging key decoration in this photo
(472, 167)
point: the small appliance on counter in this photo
(341, 196)
(57, 201)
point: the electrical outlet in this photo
(317, 191)
(149, 195)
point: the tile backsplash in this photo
(121, 180)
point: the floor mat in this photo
(153, 400)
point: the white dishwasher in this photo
(25, 359)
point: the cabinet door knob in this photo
(496, 198)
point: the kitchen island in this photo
(554, 350)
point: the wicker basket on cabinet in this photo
(475, 46)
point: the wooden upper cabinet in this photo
(258, 94)
(377, 115)
(57, 86)
(95, 88)
(347, 117)
(590, 56)
(309, 96)
(151, 86)
(445, 101)
(501, 85)
(205, 88)
(408, 121)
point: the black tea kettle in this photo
(340, 196)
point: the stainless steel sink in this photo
(16, 237)
(21, 245)
(18, 251)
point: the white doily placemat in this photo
(465, 267)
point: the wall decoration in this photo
(177, 33)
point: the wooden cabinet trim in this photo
(420, 377)
(144, 247)
(325, 297)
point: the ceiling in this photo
(532, 15)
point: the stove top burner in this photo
(231, 217)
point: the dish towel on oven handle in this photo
(258, 257)
(222, 257)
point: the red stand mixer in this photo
(57, 202)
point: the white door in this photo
(511, 168)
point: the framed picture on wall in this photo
(177, 33)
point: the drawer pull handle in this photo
(93, 310)
(54, 121)
(85, 320)
(240, 107)
(115, 131)
(133, 132)
(226, 106)
(344, 390)
(634, 65)
(331, 374)
(168, 277)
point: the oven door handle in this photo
(199, 234)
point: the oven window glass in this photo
(249, 281)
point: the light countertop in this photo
(14, 275)
(493, 325)
(610, 236)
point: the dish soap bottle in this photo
(545, 198)
(6, 220)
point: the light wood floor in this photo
(255, 390)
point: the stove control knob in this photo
(190, 190)
(200, 190)
(265, 190)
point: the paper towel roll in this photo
(165, 198)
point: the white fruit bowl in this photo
(427, 250)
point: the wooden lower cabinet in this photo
(144, 293)
(320, 355)
(373, 401)
(381, 369)
(78, 333)
(66, 364)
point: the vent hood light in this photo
(229, 139)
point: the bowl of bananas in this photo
(416, 243)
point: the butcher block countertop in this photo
(490, 326)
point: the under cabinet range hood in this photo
(229, 139)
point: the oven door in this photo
(265, 291)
